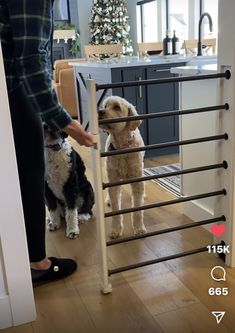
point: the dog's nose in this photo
(101, 113)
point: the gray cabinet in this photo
(136, 95)
(152, 99)
(161, 98)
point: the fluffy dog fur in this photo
(68, 193)
(123, 135)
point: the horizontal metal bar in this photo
(166, 174)
(164, 145)
(164, 114)
(155, 261)
(164, 231)
(166, 203)
(226, 75)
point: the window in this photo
(178, 17)
(147, 21)
(61, 10)
(150, 22)
(211, 7)
(154, 17)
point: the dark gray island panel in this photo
(152, 99)
(136, 95)
(161, 98)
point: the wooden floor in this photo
(170, 297)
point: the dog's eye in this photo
(116, 107)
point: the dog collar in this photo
(123, 146)
(56, 146)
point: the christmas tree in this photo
(109, 24)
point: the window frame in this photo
(162, 25)
(195, 11)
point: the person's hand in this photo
(76, 131)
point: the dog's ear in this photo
(132, 125)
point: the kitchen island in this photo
(146, 99)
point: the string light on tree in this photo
(109, 24)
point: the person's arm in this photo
(76, 131)
(31, 23)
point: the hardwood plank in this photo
(60, 309)
(195, 274)
(83, 248)
(159, 289)
(121, 311)
(193, 318)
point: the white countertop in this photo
(126, 61)
(195, 70)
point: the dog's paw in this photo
(140, 230)
(115, 234)
(83, 217)
(72, 234)
(50, 225)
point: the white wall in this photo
(16, 294)
(131, 12)
(84, 15)
(196, 94)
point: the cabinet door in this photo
(136, 95)
(161, 98)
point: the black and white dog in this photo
(68, 193)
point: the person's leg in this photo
(29, 146)
(28, 138)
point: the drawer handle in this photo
(140, 88)
(162, 70)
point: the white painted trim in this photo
(226, 59)
(161, 20)
(5, 311)
(197, 212)
(14, 259)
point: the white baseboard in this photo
(196, 212)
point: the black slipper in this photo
(60, 268)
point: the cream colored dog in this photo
(123, 135)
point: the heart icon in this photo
(218, 229)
